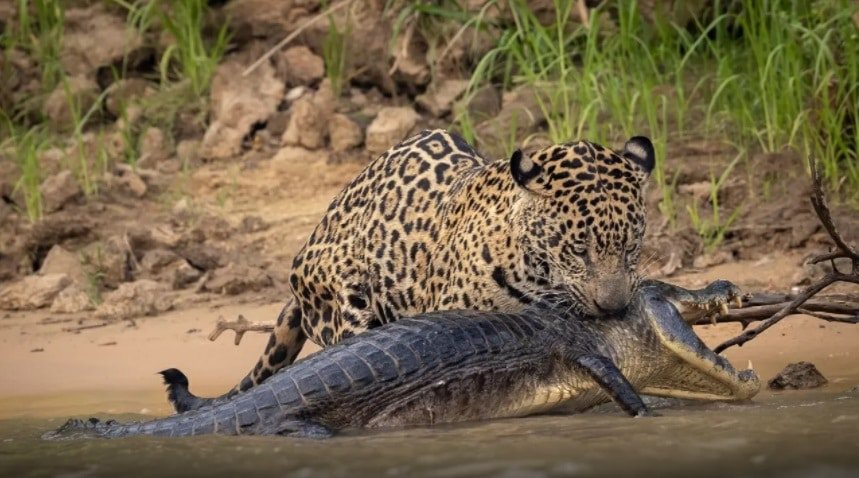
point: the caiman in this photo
(457, 366)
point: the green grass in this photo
(190, 57)
(39, 32)
(26, 145)
(765, 76)
(334, 51)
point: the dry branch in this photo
(797, 305)
(240, 326)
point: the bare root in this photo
(798, 304)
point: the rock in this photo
(236, 278)
(520, 116)
(71, 300)
(123, 92)
(482, 104)
(410, 61)
(390, 126)
(300, 67)
(78, 90)
(797, 376)
(157, 259)
(128, 181)
(135, 299)
(33, 292)
(345, 134)
(308, 121)
(188, 151)
(153, 148)
(83, 51)
(439, 97)
(58, 190)
(203, 257)
(109, 261)
(295, 93)
(184, 274)
(61, 261)
(238, 103)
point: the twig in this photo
(240, 326)
(84, 327)
(818, 201)
(292, 36)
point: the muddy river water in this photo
(796, 433)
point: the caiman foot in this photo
(711, 301)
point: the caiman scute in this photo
(458, 366)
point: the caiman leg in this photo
(697, 304)
(612, 381)
(702, 373)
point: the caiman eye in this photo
(579, 248)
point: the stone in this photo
(797, 376)
(344, 133)
(135, 299)
(77, 90)
(237, 104)
(187, 151)
(482, 104)
(154, 147)
(82, 51)
(439, 97)
(72, 300)
(390, 126)
(58, 190)
(203, 257)
(109, 260)
(33, 292)
(520, 116)
(122, 93)
(184, 274)
(300, 66)
(156, 260)
(131, 182)
(308, 121)
(61, 261)
(235, 279)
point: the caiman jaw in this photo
(697, 372)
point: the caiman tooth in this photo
(723, 307)
(751, 367)
(713, 318)
(738, 301)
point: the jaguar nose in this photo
(611, 305)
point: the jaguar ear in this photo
(524, 170)
(640, 151)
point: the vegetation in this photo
(763, 76)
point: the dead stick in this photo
(240, 326)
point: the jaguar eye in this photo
(579, 248)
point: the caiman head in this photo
(582, 219)
(687, 368)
